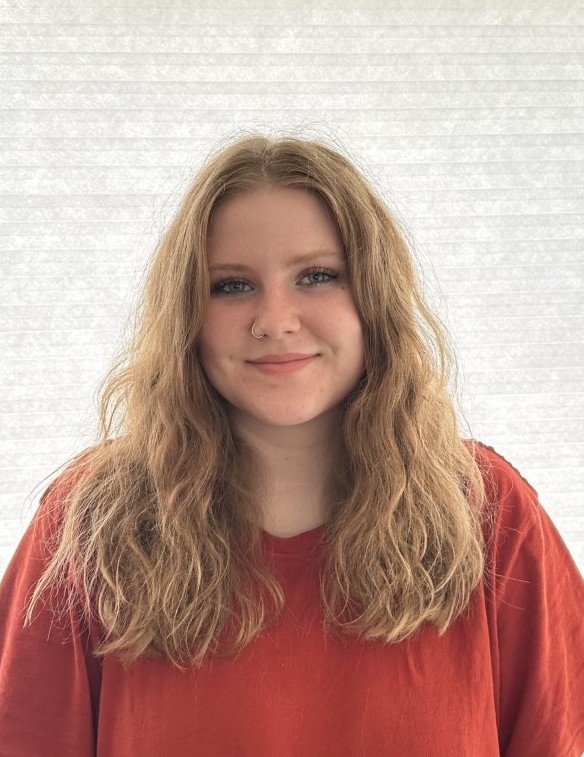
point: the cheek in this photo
(206, 349)
(213, 332)
(218, 342)
(345, 321)
(356, 341)
(211, 366)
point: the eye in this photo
(319, 275)
(230, 287)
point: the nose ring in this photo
(257, 336)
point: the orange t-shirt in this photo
(507, 678)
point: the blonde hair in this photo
(160, 535)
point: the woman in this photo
(280, 545)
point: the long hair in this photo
(160, 526)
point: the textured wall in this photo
(468, 116)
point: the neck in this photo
(300, 465)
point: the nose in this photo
(277, 314)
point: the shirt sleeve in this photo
(536, 608)
(49, 679)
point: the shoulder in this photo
(48, 660)
(521, 538)
(44, 529)
(534, 601)
(500, 476)
(512, 501)
(54, 500)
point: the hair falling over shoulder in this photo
(160, 531)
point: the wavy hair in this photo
(159, 535)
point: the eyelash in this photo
(217, 287)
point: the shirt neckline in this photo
(299, 544)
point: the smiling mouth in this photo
(281, 357)
(282, 363)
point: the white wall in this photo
(469, 116)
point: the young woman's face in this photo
(276, 259)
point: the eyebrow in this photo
(306, 257)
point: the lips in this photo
(289, 362)
(287, 357)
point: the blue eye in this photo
(319, 275)
(230, 287)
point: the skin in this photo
(302, 306)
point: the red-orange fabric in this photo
(507, 678)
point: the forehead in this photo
(276, 219)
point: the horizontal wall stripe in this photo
(395, 14)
